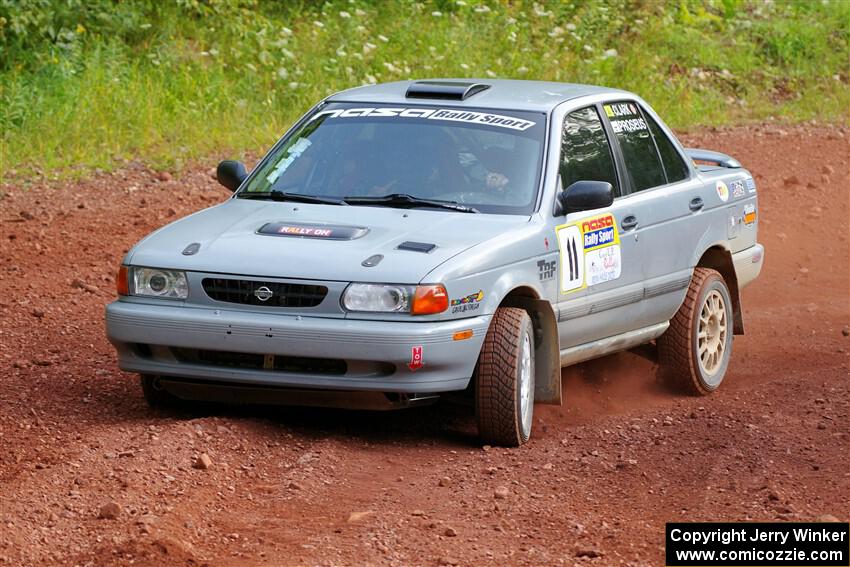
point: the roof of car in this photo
(500, 94)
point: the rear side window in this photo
(585, 153)
(674, 165)
(638, 147)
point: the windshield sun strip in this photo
(326, 109)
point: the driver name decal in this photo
(625, 117)
(590, 252)
(468, 116)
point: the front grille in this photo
(278, 294)
(295, 364)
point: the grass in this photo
(170, 82)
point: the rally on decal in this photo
(330, 232)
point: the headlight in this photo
(153, 282)
(383, 298)
(392, 298)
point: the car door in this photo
(600, 278)
(662, 212)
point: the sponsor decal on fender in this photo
(546, 269)
(737, 189)
(722, 191)
(470, 302)
(590, 252)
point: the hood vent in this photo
(444, 90)
(372, 261)
(424, 247)
(192, 249)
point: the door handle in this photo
(696, 204)
(629, 222)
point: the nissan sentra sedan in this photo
(409, 240)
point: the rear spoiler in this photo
(722, 160)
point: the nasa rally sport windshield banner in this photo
(518, 122)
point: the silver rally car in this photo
(410, 239)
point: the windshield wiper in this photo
(405, 201)
(276, 195)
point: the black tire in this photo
(690, 358)
(499, 382)
(155, 395)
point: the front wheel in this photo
(695, 350)
(504, 385)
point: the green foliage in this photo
(87, 83)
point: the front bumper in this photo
(376, 354)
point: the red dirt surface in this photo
(597, 482)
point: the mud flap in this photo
(547, 361)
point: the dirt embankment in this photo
(89, 475)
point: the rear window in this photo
(637, 145)
(486, 159)
(674, 165)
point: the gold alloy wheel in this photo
(711, 334)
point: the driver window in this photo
(585, 153)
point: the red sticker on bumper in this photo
(415, 359)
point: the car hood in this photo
(319, 242)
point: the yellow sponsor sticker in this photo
(590, 252)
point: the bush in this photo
(87, 82)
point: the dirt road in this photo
(601, 476)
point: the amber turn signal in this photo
(430, 299)
(462, 335)
(121, 281)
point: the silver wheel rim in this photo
(711, 333)
(525, 379)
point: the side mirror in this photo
(231, 174)
(584, 196)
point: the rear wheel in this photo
(504, 386)
(695, 350)
(155, 394)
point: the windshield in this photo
(487, 160)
